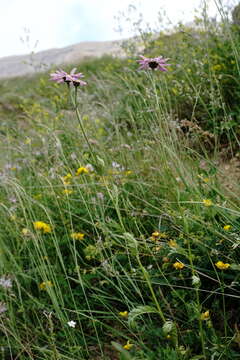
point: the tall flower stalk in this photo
(73, 79)
(75, 103)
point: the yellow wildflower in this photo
(158, 235)
(217, 67)
(124, 314)
(25, 231)
(67, 191)
(205, 316)
(82, 170)
(207, 202)
(128, 346)
(172, 243)
(227, 227)
(67, 179)
(45, 284)
(77, 236)
(221, 265)
(27, 141)
(40, 225)
(128, 172)
(178, 265)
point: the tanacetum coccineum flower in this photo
(40, 225)
(157, 63)
(61, 76)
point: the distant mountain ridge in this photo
(20, 65)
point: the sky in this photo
(34, 25)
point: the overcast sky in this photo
(58, 23)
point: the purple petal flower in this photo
(157, 63)
(61, 76)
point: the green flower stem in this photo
(146, 276)
(75, 103)
(190, 257)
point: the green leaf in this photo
(138, 311)
(124, 353)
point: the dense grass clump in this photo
(125, 246)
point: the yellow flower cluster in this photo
(222, 266)
(205, 315)
(25, 232)
(178, 265)
(124, 314)
(67, 179)
(82, 170)
(172, 243)
(207, 202)
(158, 235)
(77, 236)
(227, 227)
(40, 225)
(128, 346)
(67, 191)
(217, 67)
(45, 284)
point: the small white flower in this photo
(72, 323)
(195, 280)
(100, 196)
(3, 308)
(5, 282)
(89, 167)
(168, 327)
(73, 156)
(115, 165)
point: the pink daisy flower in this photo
(157, 63)
(61, 76)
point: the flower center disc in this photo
(153, 64)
